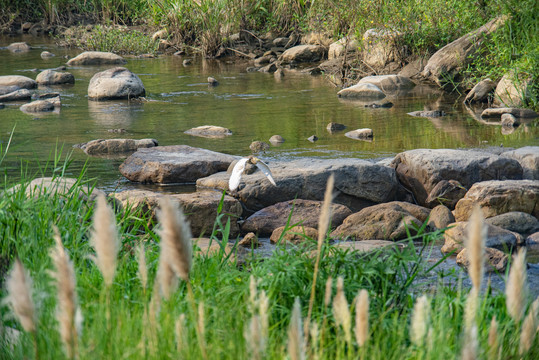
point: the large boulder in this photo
(97, 58)
(52, 77)
(445, 65)
(421, 170)
(480, 92)
(359, 182)
(516, 221)
(528, 157)
(513, 89)
(17, 95)
(499, 197)
(389, 83)
(200, 208)
(495, 260)
(47, 186)
(18, 47)
(304, 53)
(389, 221)
(173, 164)
(362, 91)
(22, 82)
(343, 46)
(381, 47)
(116, 146)
(115, 83)
(457, 233)
(304, 212)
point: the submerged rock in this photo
(428, 113)
(276, 139)
(360, 134)
(115, 83)
(47, 55)
(51, 77)
(97, 58)
(18, 95)
(212, 81)
(22, 82)
(173, 164)
(362, 91)
(116, 146)
(209, 131)
(421, 170)
(334, 127)
(38, 106)
(259, 146)
(19, 47)
(499, 197)
(304, 212)
(388, 82)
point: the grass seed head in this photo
(493, 341)
(420, 320)
(529, 328)
(19, 288)
(104, 240)
(475, 243)
(471, 345)
(341, 311)
(515, 288)
(362, 317)
(142, 267)
(328, 292)
(296, 346)
(175, 238)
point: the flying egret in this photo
(235, 178)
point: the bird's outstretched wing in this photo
(266, 170)
(235, 177)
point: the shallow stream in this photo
(253, 105)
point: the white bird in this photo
(235, 178)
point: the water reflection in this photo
(113, 114)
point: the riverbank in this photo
(230, 27)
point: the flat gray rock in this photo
(17, 95)
(97, 58)
(421, 170)
(20, 81)
(528, 157)
(173, 164)
(359, 183)
(116, 146)
(52, 77)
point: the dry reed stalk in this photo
(142, 268)
(181, 333)
(175, 238)
(420, 318)
(475, 243)
(470, 310)
(296, 346)
(471, 346)
(104, 240)
(529, 329)
(19, 288)
(67, 310)
(323, 226)
(341, 311)
(493, 341)
(362, 317)
(515, 287)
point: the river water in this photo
(253, 105)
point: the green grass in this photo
(223, 287)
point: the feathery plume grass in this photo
(475, 243)
(175, 238)
(142, 267)
(253, 338)
(323, 226)
(296, 347)
(470, 350)
(362, 317)
(165, 275)
(181, 333)
(104, 240)
(515, 288)
(341, 311)
(201, 324)
(19, 288)
(493, 341)
(314, 334)
(470, 310)
(420, 318)
(67, 308)
(529, 329)
(263, 308)
(328, 292)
